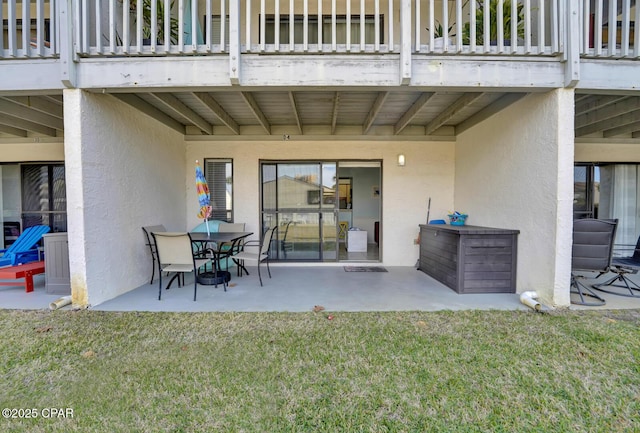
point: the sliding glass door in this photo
(619, 197)
(300, 199)
(610, 191)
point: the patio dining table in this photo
(220, 239)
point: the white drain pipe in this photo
(60, 302)
(529, 299)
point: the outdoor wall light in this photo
(401, 160)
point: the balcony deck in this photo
(242, 76)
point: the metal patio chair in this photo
(261, 256)
(175, 254)
(623, 266)
(151, 243)
(591, 252)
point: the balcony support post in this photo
(572, 43)
(234, 41)
(405, 42)
(66, 28)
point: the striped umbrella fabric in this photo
(204, 198)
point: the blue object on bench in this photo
(24, 249)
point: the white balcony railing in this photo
(609, 28)
(28, 29)
(107, 28)
(132, 27)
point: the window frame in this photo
(211, 183)
(48, 217)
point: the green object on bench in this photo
(24, 249)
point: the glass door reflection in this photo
(300, 198)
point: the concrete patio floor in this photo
(298, 289)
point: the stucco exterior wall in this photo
(429, 172)
(123, 171)
(515, 170)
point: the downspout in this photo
(60, 302)
(530, 300)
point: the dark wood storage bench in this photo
(470, 259)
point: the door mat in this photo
(364, 269)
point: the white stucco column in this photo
(566, 162)
(75, 197)
(123, 171)
(515, 170)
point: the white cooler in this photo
(357, 241)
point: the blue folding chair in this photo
(24, 249)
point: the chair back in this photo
(593, 244)
(266, 241)
(636, 252)
(231, 227)
(147, 233)
(28, 239)
(173, 248)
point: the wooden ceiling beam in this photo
(412, 112)
(179, 107)
(611, 111)
(218, 111)
(296, 113)
(20, 123)
(151, 111)
(334, 113)
(56, 98)
(13, 131)
(373, 112)
(609, 123)
(632, 127)
(18, 110)
(38, 103)
(451, 111)
(597, 102)
(494, 108)
(257, 112)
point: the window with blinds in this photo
(216, 29)
(44, 197)
(219, 175)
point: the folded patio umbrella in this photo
(204, 198)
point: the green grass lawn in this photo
(500, 371)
